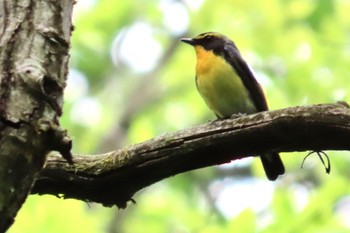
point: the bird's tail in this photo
(273, 165)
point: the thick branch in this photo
(113, 178)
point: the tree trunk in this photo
(34, 43)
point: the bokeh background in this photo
(131, 79)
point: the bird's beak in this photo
(188, 41)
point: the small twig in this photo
(320, 153)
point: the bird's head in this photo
(209, 41)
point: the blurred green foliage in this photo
(300, 52)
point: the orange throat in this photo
(204, 60)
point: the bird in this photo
(228, 86)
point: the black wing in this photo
(233, 56)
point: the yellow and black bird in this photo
(228, 86)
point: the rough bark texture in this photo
(34, 43)
(113, 178)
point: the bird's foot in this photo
(233, 116)
(217, 120)
(237, 115)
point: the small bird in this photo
(228, 86)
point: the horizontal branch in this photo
(113, 178)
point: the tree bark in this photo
(113, 178)
(34, 44)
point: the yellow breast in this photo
(209, 64)
(220, 86)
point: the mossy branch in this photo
(113, 178)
